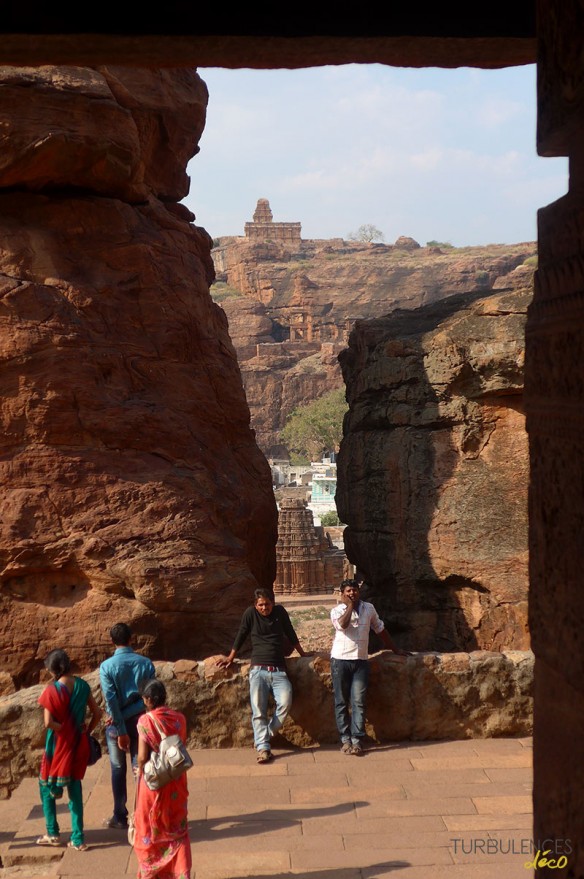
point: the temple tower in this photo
(306, 560)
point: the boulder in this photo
(433, 470)
(132, 486)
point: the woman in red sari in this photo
(65, 702)
(161, 842)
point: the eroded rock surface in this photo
(428, 696)
(131, 484)
(291, 307)
(433, 469)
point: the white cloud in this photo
(412, 151)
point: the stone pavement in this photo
(442, 810)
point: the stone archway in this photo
(555, 330)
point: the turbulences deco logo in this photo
(550, 853)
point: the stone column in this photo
(555, 422)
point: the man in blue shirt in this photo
(122, 677)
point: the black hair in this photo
(155, 691)
(263, 593)
(58, 663)
(354, 583)
(120, 634)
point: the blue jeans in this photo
(119, 764)
(350, 680)
(262, 685)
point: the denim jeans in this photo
(119, 764)
(262, 685)
(350, 679)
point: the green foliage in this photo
(330, 518)
(317, 427)
(299, 460)
(531, 261)
(367, 233)
(442, 244)
(221, 291)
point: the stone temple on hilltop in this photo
(263, 227)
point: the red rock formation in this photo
(313, 292)
(132, 487)
(433, 470)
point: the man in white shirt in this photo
(352, 620)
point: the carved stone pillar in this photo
(555, 421)
(305, 562)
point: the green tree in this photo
(444, 244)
(330, 518)
(367, 233)
(317, 427)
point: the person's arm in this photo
(378, 627)
(96, 713)
(110, 694)
(342, 620)
(345, 617)
(50, 722)
(225, 661)
(387, 642)
(244, 630)
(143, 754)
(290, 633)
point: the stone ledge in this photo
(427, 696)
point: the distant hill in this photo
(291, 307)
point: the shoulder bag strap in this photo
(157, 725)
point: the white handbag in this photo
(169, 762)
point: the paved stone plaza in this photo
(409, 811)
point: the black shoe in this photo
(115, 824)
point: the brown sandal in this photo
(264, 756)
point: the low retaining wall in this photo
(426, 696)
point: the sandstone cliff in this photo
(132, 487)
(433, 469)
(291, 309)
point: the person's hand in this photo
(124, 743)
(224, 662)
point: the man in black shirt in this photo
(268, 625)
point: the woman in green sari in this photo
(65, 701)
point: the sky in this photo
(434, 154)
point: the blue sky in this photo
(430, 153)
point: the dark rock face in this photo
(433, 470)
(132, 487)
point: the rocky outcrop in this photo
(291, 308)
(132, 487)
(433, 469)
(429, 696)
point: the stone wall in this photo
(428, 696)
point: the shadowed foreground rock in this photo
(433, 469)
(131, 484)
(427, 696)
